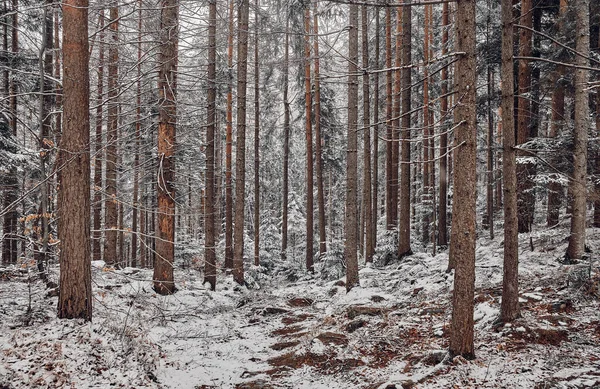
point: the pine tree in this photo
(111, 202)
(509, 309)
(75, 291)
(350, 247)
(367, 205)
(240, 161)
(167, 89)
(229, 147)
(578, 182)
(462, 250)
(405, 181)
(210, 257)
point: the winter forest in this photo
(299, 194)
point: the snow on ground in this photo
(392, 332)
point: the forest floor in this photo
(392, 332)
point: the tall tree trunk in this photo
(389, 113)
(75, 292)
(427, 151)
(45, 66)
(240, 158)
(256, 140)
(136, 158)
(286, 141)
(167, 119)
(396, 115)
(350, 246)
(375, 179)
(509, 309)
(98, 154)
(309, 146)
(111, 202)
(229, 148)
(405, 182)
(555, 189)
(143, 227)
(596, 220)
(10, 227)
(525, 170)
(489, 218)
(210, 255)
(318, 138)
(367, 205)
(462, 250)
(443, 191)
(578, 183)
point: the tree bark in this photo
(98, 154)
(405, 182)
(138, 131)
(367, 201)
(167, 120)
(318, 138)
(555, 189)
(578, 183)
(286, 141)
(309, 146)
(396, 115)
(210, 255)
(389, 195)
(509, 309)
(443, 191)
(256, 140)
(75, 290)
(240, 159)
(111, 202)
(525, 170)
(375, 179)
(426, 199)
(350, 246)
(229, 148)
(10, 250)
(462, 250)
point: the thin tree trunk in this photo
(111, 202)
(98, 155)
(367, 201)
(464, 210)
(143, 229)
(45, 122)
(443, 191)
(525, 170)
(427, 151)
(256, 140)
(286, 142)
(318, 138)
(240, 162)
(309, 146)
(555, 189)
(578, 183)
(489, 219)
(229, 148)
(509, 309)
(389, 195)
(396, 116)
(75, 292)
(210, 255)
(10, 227)
(136, 158)
(350, 246)
(375, 179)
(167, 110)
(405, 182)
